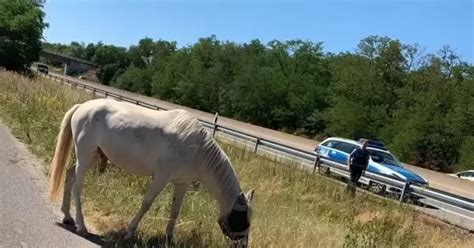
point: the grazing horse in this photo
(170, 146)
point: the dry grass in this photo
(292, 207)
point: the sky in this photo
(339, 24)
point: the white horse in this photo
(171, 146)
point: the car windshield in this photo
(467, 174)
(383, 157)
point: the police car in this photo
(335, 151)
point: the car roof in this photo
(373, 143)
(343, 139)
(380, 150)
(354, 142)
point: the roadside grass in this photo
(293, 208)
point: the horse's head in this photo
(236, 225)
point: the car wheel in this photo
(377, 188)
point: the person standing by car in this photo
(358, 162)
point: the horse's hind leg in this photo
(85, 158)
(156, 186)
(66, 206)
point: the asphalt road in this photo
(436, 179)
(26, 219)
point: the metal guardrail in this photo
(406, 188)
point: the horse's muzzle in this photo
(235, 239)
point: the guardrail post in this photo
(257, 142)
(405, 192)
(214, 130)
(93, 91)
(316, 164)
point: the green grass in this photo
(293, 208)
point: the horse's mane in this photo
(214, 158)
(209, 155)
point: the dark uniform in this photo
(359, 160)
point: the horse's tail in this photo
(61, 155)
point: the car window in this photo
(345, 147)
(330, 143)
(383, 157)
(466, 174)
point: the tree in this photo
(434, 117)
(364, 92)
(89, 51)
(111, 60)
(168, 74)
(21, 29)
(136, 80)
(354, 110)
(466, 161)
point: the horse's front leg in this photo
(179, 192)
(156, 186)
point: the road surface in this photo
(26, 220)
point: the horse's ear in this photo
(249, 195)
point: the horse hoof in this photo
(169, 239)
(82, 232)
(69, 221)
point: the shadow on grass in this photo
(115, 239)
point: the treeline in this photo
(421, 105)
(21, 29)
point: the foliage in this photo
(466, 155)
(136, 80)
(21, 28)
(434, 116)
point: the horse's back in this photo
(112, 114)
(135, 138)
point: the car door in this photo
(326, 149)
(343, 150)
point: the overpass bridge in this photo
(71, 64)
